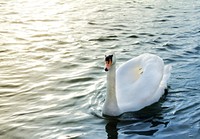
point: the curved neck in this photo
(110, 106)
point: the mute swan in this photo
(136, 84)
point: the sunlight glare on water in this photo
(51, 67)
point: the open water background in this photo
(52, 83)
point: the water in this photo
(51, 67)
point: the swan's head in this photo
(110, 60)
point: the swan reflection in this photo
(111, 129)
(145, 122)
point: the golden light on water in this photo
(52, 82)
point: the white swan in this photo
(136, 84)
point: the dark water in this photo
(52, 83)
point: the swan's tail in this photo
(166, 75)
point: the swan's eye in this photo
(108, 58)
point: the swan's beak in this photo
(108, 65)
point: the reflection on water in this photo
(145, 122)
(51, 67)
(111, 129)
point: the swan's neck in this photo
(110, 106)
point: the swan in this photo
(137, 83)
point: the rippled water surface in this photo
(52, 83)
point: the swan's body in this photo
(135, 84)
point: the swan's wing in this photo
(138, 80)
(163, 85)
(128, 72)
(166, 75)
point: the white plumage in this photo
(136, 84)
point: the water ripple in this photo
(51, 67)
